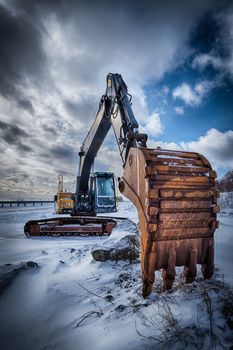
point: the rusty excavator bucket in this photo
(175, 195)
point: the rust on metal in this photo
(70, 226)
(175, 195)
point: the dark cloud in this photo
(62, 153)
(204, 35)
(82, 110)
(26, 105)
(10, 132)
(14, 135)
(21, 52)
(208, 35)
(123, 33)
(213, 44)
(49, 129)
(44, 7)
(24, 148)
(9, 172)
(17, 179)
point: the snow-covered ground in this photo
(73, 302)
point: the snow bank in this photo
(8, 272)
(74, 302)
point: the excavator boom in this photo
(174, 192)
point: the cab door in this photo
(105, 193)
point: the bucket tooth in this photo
(170, 272)
(175, 195)
(208, 265)
(190, 271)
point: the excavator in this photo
(174, 192)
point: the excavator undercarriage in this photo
(174, 192)
(74, 226)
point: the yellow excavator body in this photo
(65, 202)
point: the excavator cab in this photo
(104, 192)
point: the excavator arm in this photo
(114, 110)
(174, 192)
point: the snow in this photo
(226, 200)
(72, 302)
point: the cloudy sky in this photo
(175, 56)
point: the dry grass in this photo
(209, 328)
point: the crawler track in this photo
(70, 226)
